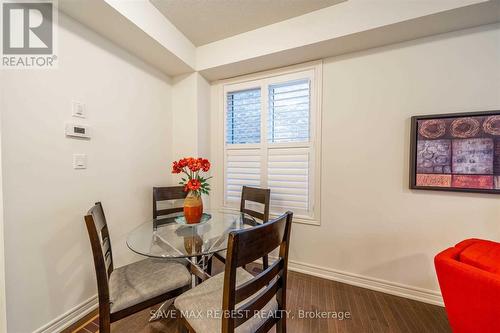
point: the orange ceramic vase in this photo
(193, 208)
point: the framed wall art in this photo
(456, 152)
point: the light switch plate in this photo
(79, 110)
(79, 161)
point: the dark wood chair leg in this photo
(265, 262)
(182, 328)
(281, 325)
(104, 324)
(209, 266)
(183, 325)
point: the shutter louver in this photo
(288, 179)
(243, 167)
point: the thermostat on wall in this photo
(80, 131)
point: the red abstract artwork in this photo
(456, 152)
(433, 180)
(464, 181)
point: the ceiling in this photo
(206, 21)
(139, 28)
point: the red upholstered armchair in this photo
(469, 277)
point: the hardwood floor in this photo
(88, 324)
(370, 311)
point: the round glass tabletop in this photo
(169, 236)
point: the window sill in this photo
(296, 219)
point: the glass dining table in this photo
(168, 237)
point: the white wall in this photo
(203, 98)
(3, 314)
(373, 228)
(185, 116)
(49, 267)
(191, 110)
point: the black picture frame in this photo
(413, 151)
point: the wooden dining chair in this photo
(167, 194)
(237, 292)
(256, 195)
(131, 288)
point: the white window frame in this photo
(311, 71)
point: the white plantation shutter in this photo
(288, 119)
(243, 167)
(270, 141)
(288, 179)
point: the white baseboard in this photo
(418, 294)
(70, 317)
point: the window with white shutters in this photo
(271, 141)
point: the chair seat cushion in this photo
(482, 254)
(143, 280)
(205, 303)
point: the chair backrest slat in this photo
(106, 246)
(261, 299)
(166, 194)
(96, 220)
(256, 245)
(244, 246)
(248, 288)
(255, 214)
(258, 195)
(108, 261)
(168, 211)
(266, 326)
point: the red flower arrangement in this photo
(191, 167)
